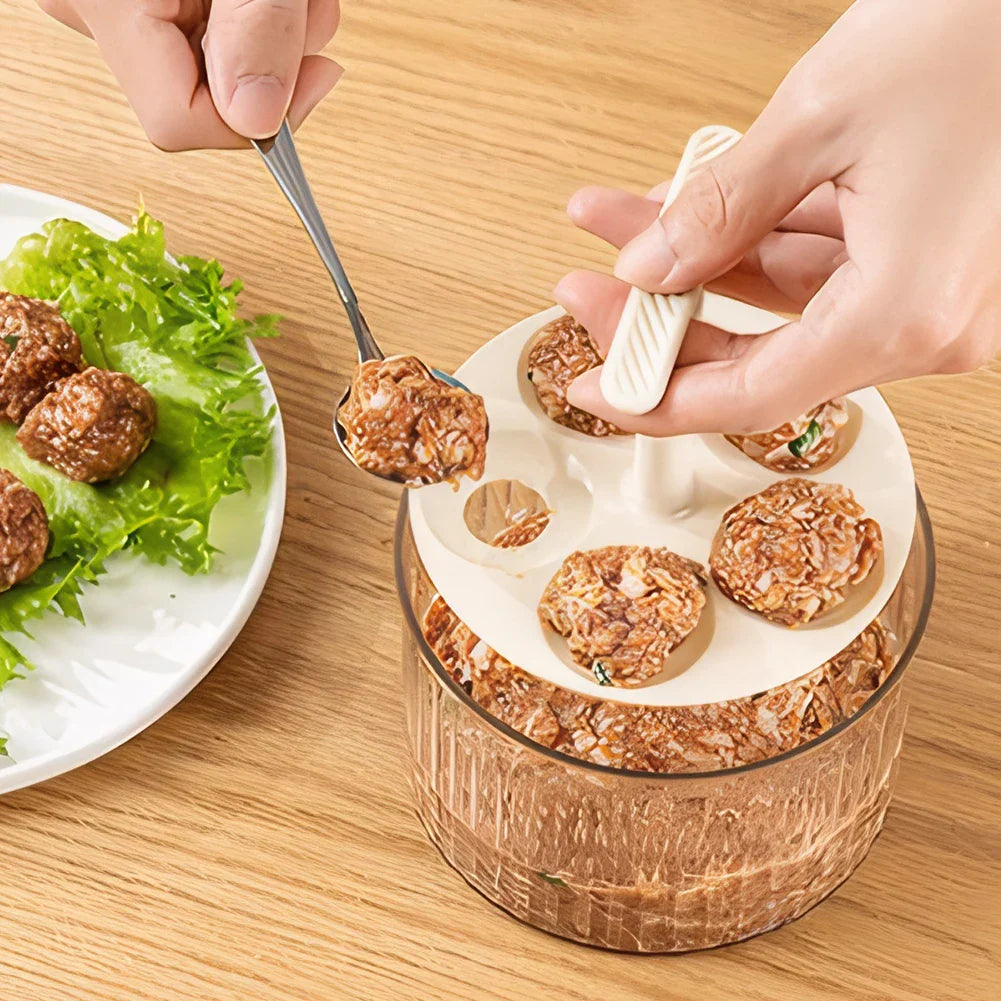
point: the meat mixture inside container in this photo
(37, 349)
(794, 551)
(402, 422)
(664, 739)
(623, 609)
(561, 351)
(506, 514)
(805, 443)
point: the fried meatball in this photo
(562, 351)
(623, 609)
(40, 348)
(805, 443)
(402, 422)
(794, 550)
(24, 531)
(92, 426)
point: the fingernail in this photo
(577, 395)
(585, 392)
(647, 260)
(560, 288)
(578, 205)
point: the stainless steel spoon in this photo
(280, 157)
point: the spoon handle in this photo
(282, 160)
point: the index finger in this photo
(160, 76)
(596, 301)
(64, 12)
(616, 216)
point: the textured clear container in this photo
(650, 862)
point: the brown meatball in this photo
(92, 427)
(793, 551)
(805, 443)
(562, 351)
(24, 531)
(623, 609)
(39, 349)
(402, 422)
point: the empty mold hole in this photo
(506, 514)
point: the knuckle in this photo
(697, 226)
(960, 354)
(809, 101)
(704, 200)
(805, 108)
(161, 10)
(931, 335)
(957, 332)
(806, 94)
(933, 342)
(278, 16)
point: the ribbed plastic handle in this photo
(652, 327)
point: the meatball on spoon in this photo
(282, 160)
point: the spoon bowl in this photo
(342, 436)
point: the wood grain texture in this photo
(259, 842)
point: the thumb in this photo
(724, 211)
(253, 51)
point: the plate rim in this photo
(21, 775)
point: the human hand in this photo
(208, 73)
(864, 196)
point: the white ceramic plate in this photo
(152, 632)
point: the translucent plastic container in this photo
(648, 862)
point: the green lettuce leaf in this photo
(171, 324)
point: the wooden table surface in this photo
(259, 842)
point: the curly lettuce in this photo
(171, 324)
